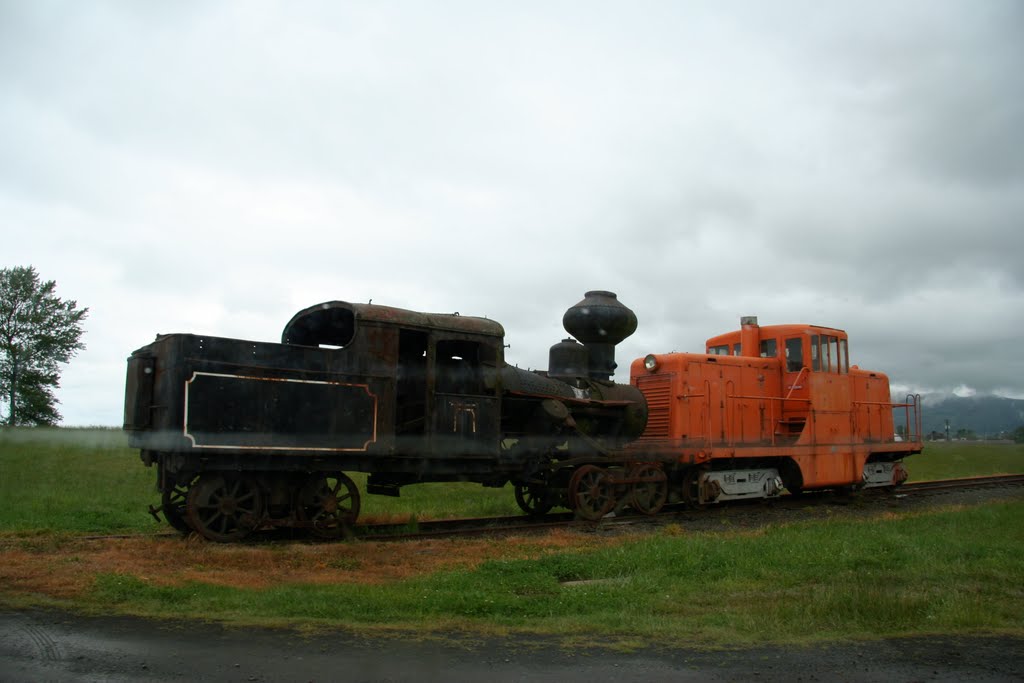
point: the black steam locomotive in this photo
(250, 434)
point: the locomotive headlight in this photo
(650, 362)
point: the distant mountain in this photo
(986, 416)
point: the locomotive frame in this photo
(247, 434)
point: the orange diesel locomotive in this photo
(767, 408)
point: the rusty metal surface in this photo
(315, 316)
(238, 429)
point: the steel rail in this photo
(963, 482)
(515, 524)
(441, 528)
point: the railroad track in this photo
(676, 512)
(672, 513)
(963, 482)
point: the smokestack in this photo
(600, 322)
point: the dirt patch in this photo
(66, 569)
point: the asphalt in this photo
(44, 645)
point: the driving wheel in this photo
(534, 499)
(649, 493)
(590, 492)
(225, 508)
(329, 503)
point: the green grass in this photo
(948, 571)
(83, 480)
(951, 459)
(88, 480)
(438, 501)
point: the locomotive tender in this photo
(248, 434)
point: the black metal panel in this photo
(138, 394)
(465, 425)
(294, 400)
(225, 411)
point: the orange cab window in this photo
(794, 354)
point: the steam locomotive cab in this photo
(355, 381)
(441, 395)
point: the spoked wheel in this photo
(648, 495)
(174, 502)
(225, 507)
(590, 492)
(534, 499)
(330, 503)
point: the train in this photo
(247, 435)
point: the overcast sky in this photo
(213, 167)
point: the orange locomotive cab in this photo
(767, 407)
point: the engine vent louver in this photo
(658, 391)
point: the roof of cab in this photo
(776, 331)
(399, 317)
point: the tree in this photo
(38, 332)
(1018, 434)
(964, 434)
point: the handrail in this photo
(709, 439)
(792, 387)
(729, 415)
(768, 398)
(912, 412)
(912, 402)
(771, 400)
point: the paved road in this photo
(42, 645)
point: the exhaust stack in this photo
(600, 321)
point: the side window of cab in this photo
(829, 354)
(794, 354)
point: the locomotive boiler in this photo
(246, 434)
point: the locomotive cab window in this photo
(722, 350)
(332, 327)
(768, 349)
(458, 366)
(411, 382)
(829, 354)
(824, 361)
(794, 354)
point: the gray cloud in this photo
(214, 168)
